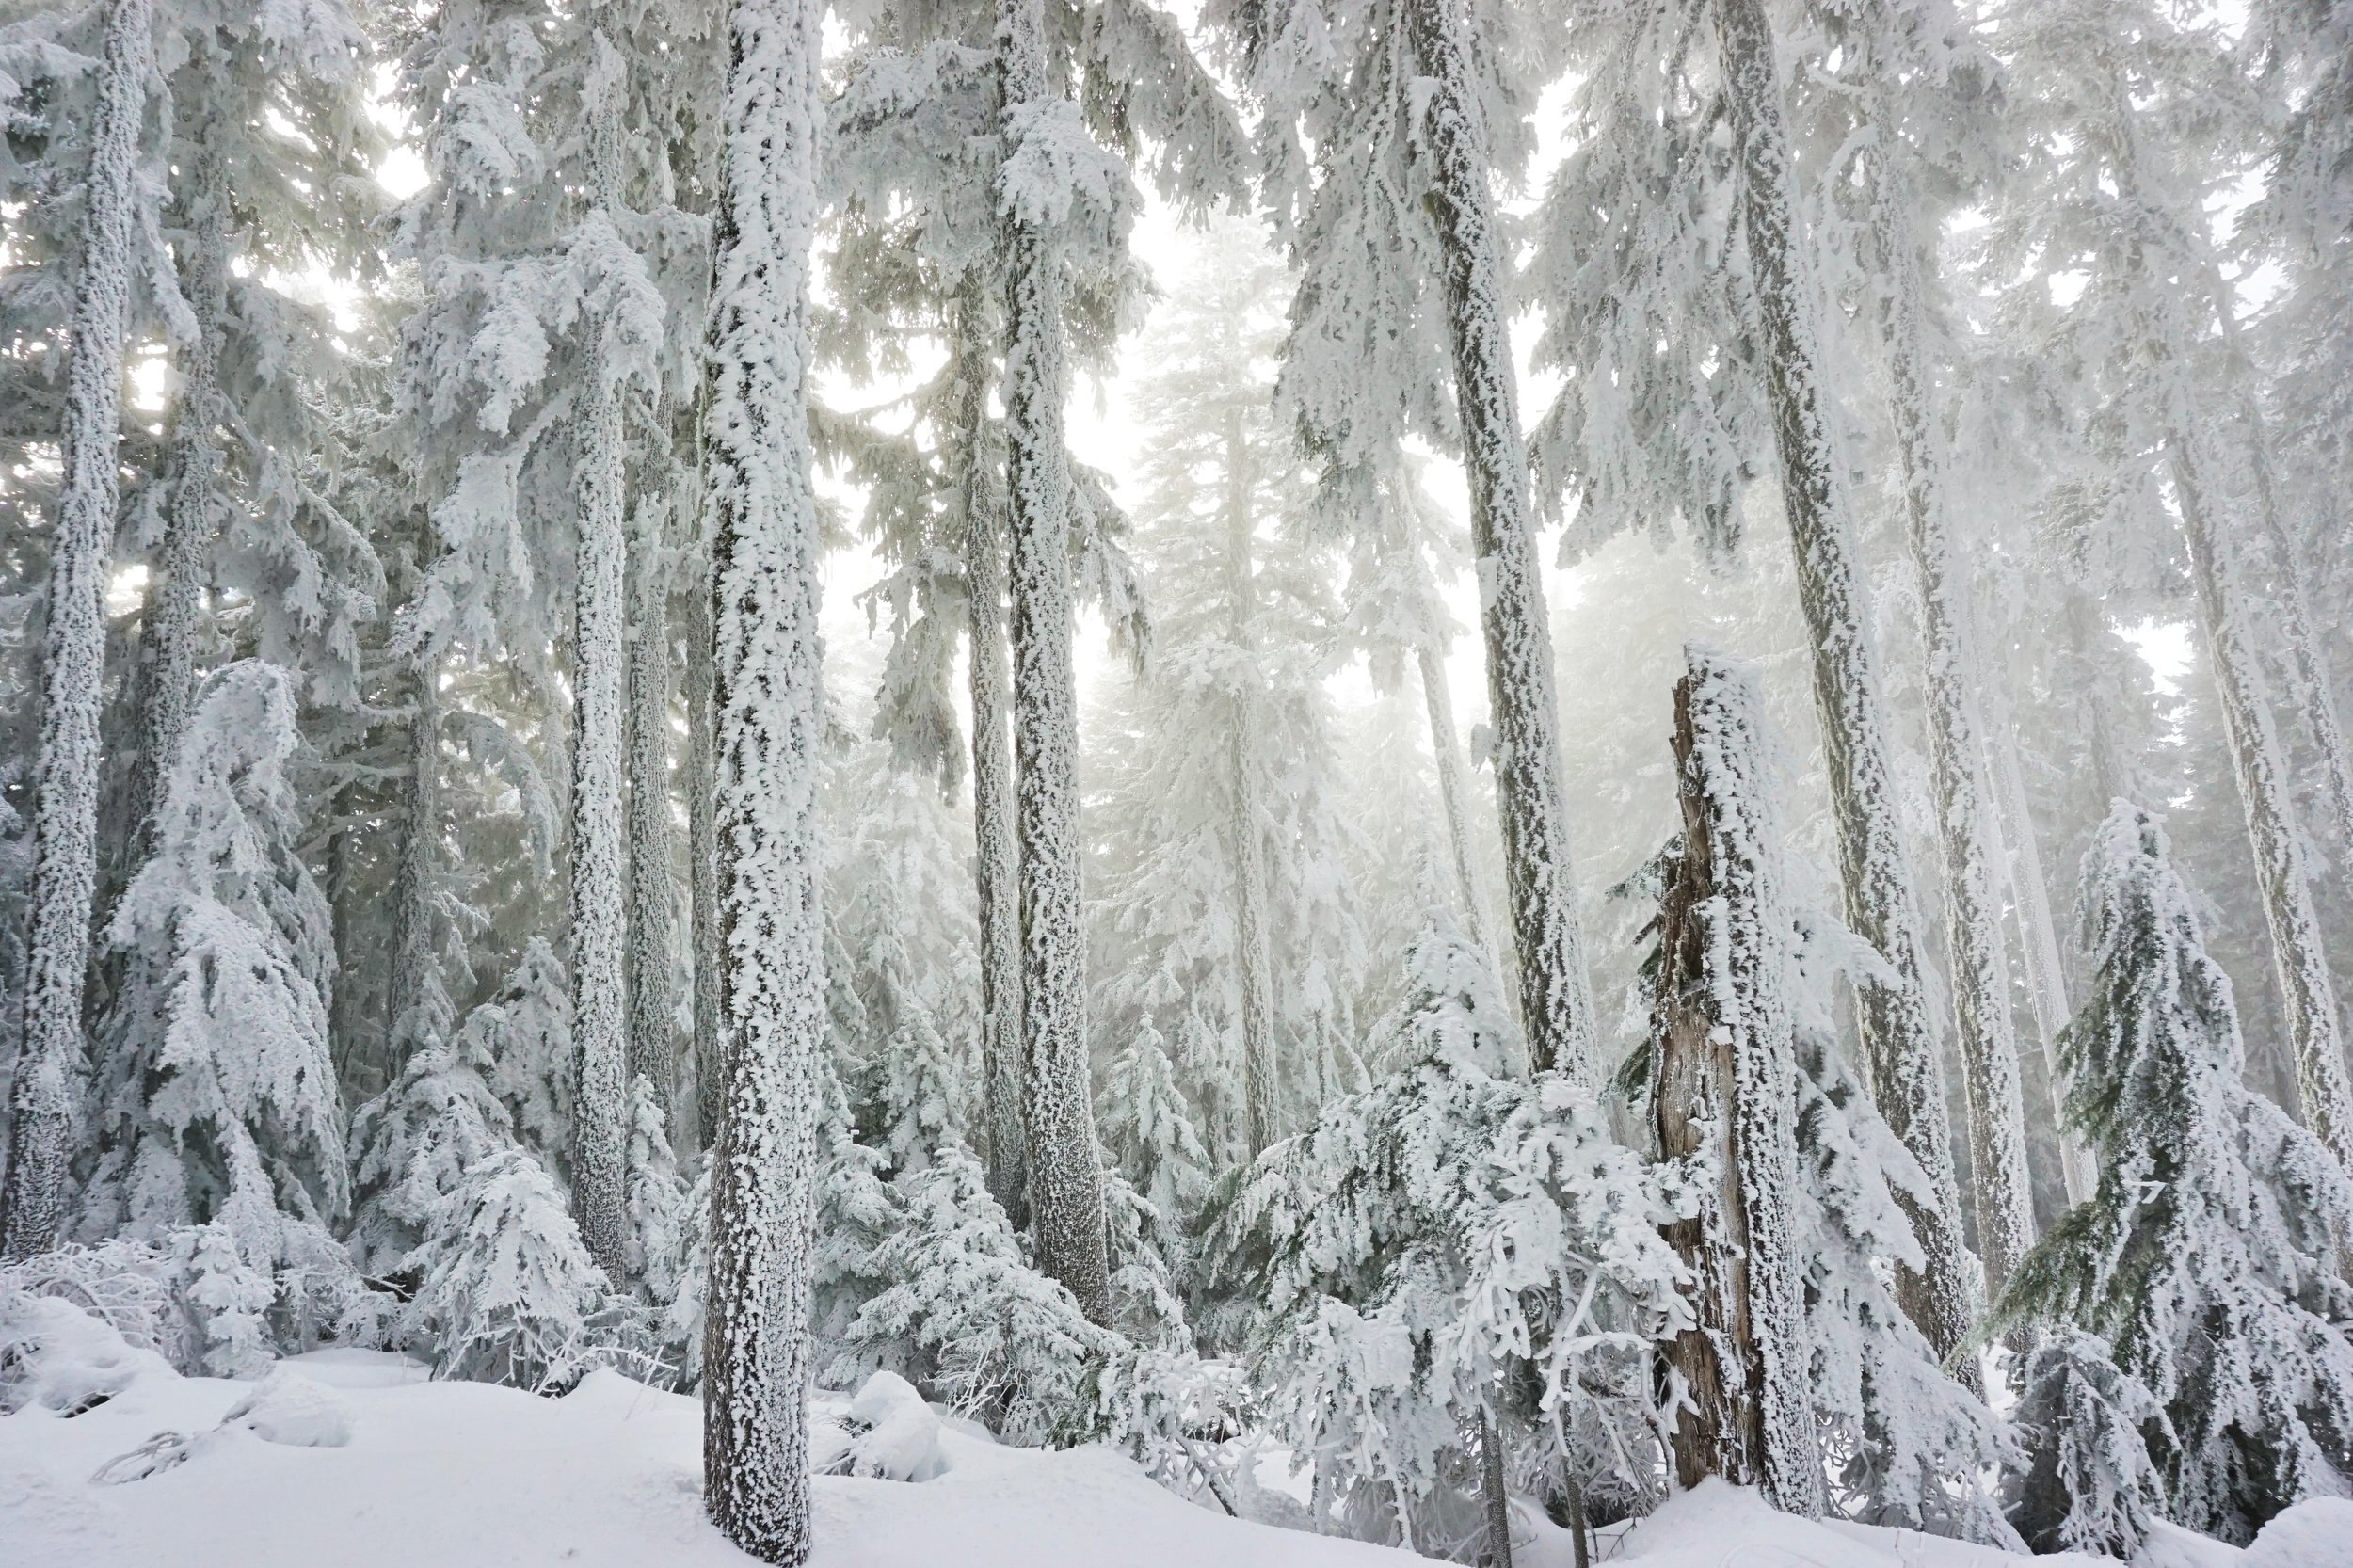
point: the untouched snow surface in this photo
(386, 1467)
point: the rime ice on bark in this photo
(65, 874)
(1900, 1039)
(769, 722)
(1723, 1091)
(1555, 1004)
(1066, 1166)
(650, 1053)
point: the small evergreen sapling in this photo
(2208, 1256)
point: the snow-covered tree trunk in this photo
(1973, 918)
(173, 625)
(1555, 1005)
(73, 655)
(415, 861)
(702, 844)
(2308, 663)
(1446, 747)
(2038, 933)
(649, 1054)
(1005, 1081)
(1724, 1092)
(1259, 1068)
(1065, 1168)
(1900, 1039)
(769, 717)
(1493, 1494)
(2306, 992)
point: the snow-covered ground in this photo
(349, 1458)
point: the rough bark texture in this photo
(1726, 1091)
(599, 851)
(1066, 1166)
(1494, 1493)
(1260, 1070)
(1972, 919)
(651, 1055)
(769, 725)
(1005, 1086)
(2306, 992)
(1445, 747)
(1900, 1040)
(1555, 1005)
(73, 657)
(173, 625)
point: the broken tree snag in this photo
(1725, 1098)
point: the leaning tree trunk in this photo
(1555, 1003)
(1005, 1086)
(1260, 1079)
(1972, 919)
(174, 622)
(1724, 1092)
(2305, 989)
(73, 657)
(649, 1054)
(1900, 1039)
(1066, 1165)
(770, 723)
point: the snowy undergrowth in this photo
(359, 1459)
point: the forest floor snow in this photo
(348, 1459)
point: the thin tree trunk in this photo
(2305, 989)
(1972, 919)
(769, 725)
(1260, 1070)
(702, 845)
(1900, 1039)
(174, 622)
(1726, 1090)
(1066, 1165)
(1555, 1003)
(1004, 1081)
(1445, 747)
(2037, 936)
(651, 1055)
(1492, 1492)
(418, 862)
(65, 823)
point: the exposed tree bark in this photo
(1005, 1086)
(1724, 1090)
(417, 860)
(1066, 1165)
(1980, 969)
(73, 656)
(1493, 1495)
(1900, 1039)
(652, 1054)
(769, 725)
(1555, 1003)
